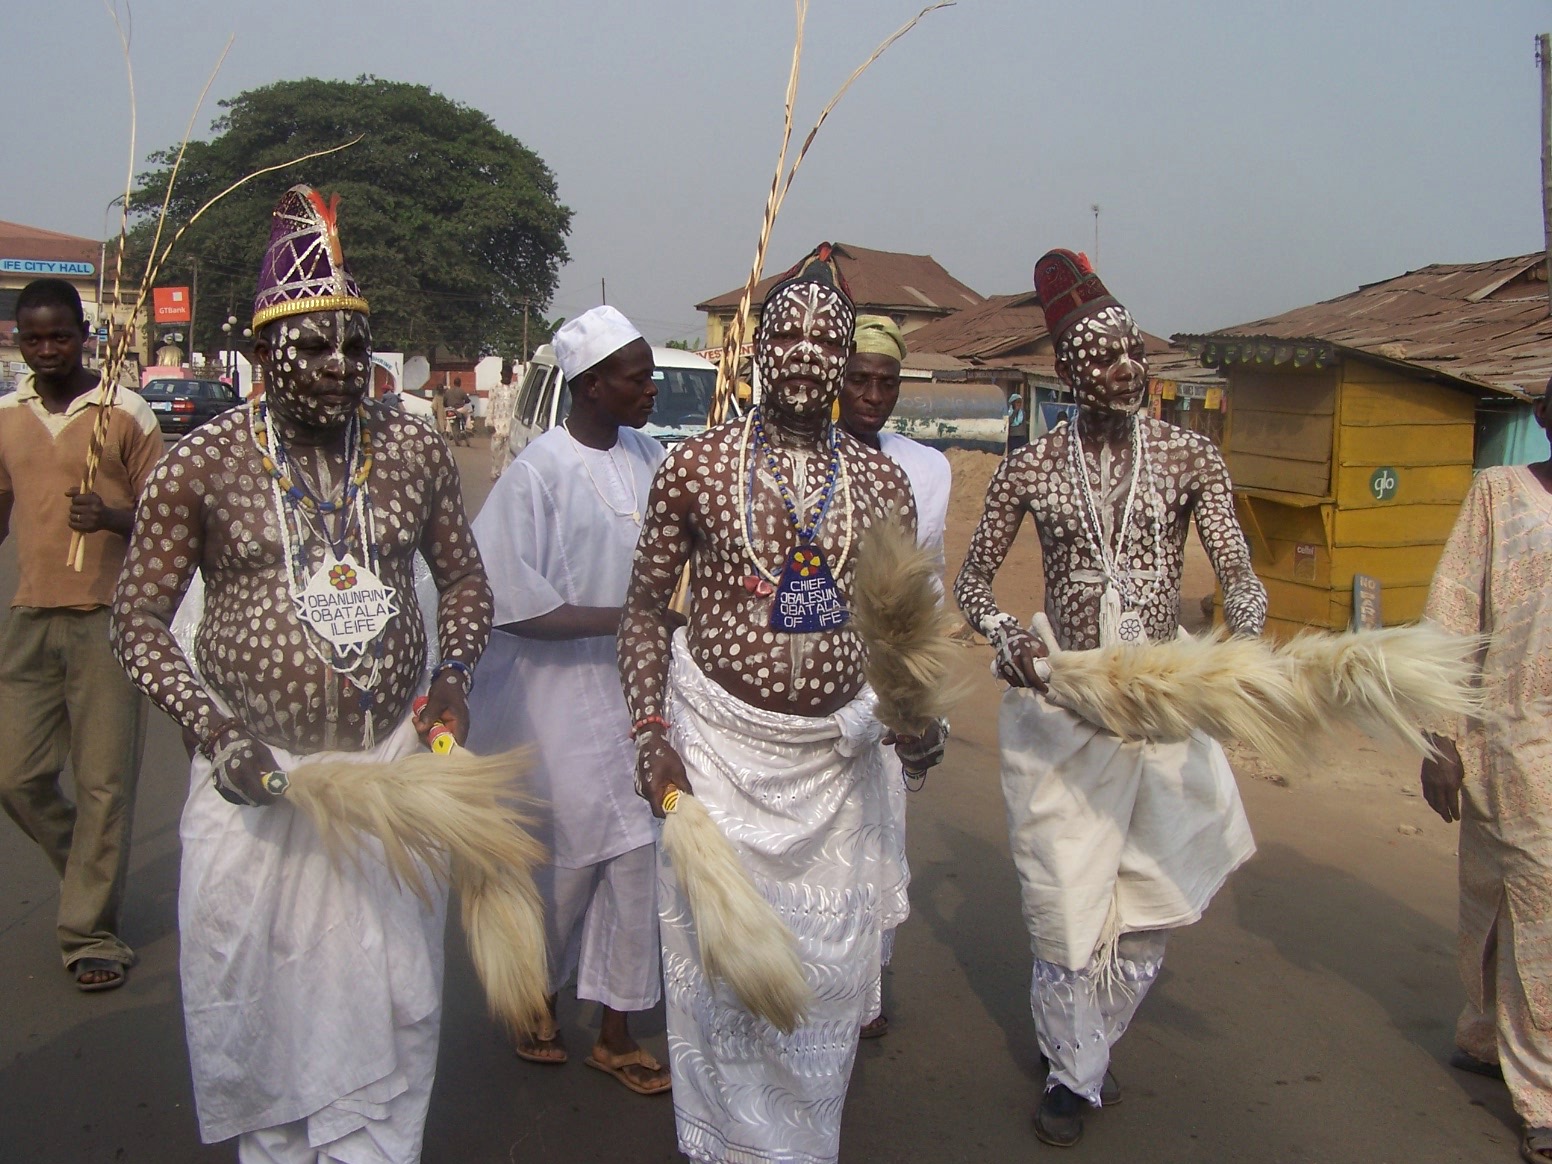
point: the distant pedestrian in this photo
(1495, 777)
(439, 407)
(63, 695)
(502, 397)
(460, 408)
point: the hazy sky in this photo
(1248, 157)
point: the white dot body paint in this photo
(1183, 477)
(716, 504)
(216, 502)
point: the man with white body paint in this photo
(311, 984)
(758, 707)
(1115, 843)
(868, 397)
(559, 533)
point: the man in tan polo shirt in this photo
(63, 695)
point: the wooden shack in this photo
(1342, 466)
(1351, 432)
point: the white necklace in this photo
(746, 488)
(625, 479)
(365, 670)
(1115, 624)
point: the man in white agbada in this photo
(1115, 843)
(559, 531)
(498, 411)
(868, 398)
(311, 985)
(759, 709)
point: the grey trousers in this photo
(63, 696)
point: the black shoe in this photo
(1109, 1091)
(1059, 1118)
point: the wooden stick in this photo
(732, 343)
(75, 557)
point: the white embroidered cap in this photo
(590, 338)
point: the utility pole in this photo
(603, 292)
(193, 307)
(1544, 59)
(525, 331)
(1095, 208)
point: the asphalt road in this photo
(1307, 1018)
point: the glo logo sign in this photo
(1384, 483)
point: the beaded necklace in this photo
(626, 479)
(754, 435)
(295, 509)
(1118, 579)
(272, 455)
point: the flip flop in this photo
(81, 967)
(548, 1034)
(876, 1029)
(615, 1065)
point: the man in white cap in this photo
(869, 394)
(559, 531)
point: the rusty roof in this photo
(880, 281)
(1480, 325)
(1000, 326)
(18, 241)
(1005, 329)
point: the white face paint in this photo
(801, 347)
(320, 376)
(1104, 361)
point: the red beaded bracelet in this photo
(647, 721)
(207, 746)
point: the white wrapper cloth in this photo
(803, 801)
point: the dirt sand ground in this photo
(1306, 1018)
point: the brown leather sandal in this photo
(616, 1065)
(545, 1048)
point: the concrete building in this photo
(30, 252)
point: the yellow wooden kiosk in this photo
(1342, 467)
(1351, 449)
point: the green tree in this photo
(449, 224)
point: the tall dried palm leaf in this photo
(781, 182)
(119, 341)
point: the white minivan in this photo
(685, 386)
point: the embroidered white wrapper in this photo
(804, 801)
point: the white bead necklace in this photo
(1117, 579)
(366, 670)
(625, 478)
(746, 488)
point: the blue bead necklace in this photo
(806, 598)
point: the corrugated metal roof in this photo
(1485, 325)
(879, 280)
(1005, 329)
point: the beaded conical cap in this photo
(304, 267)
